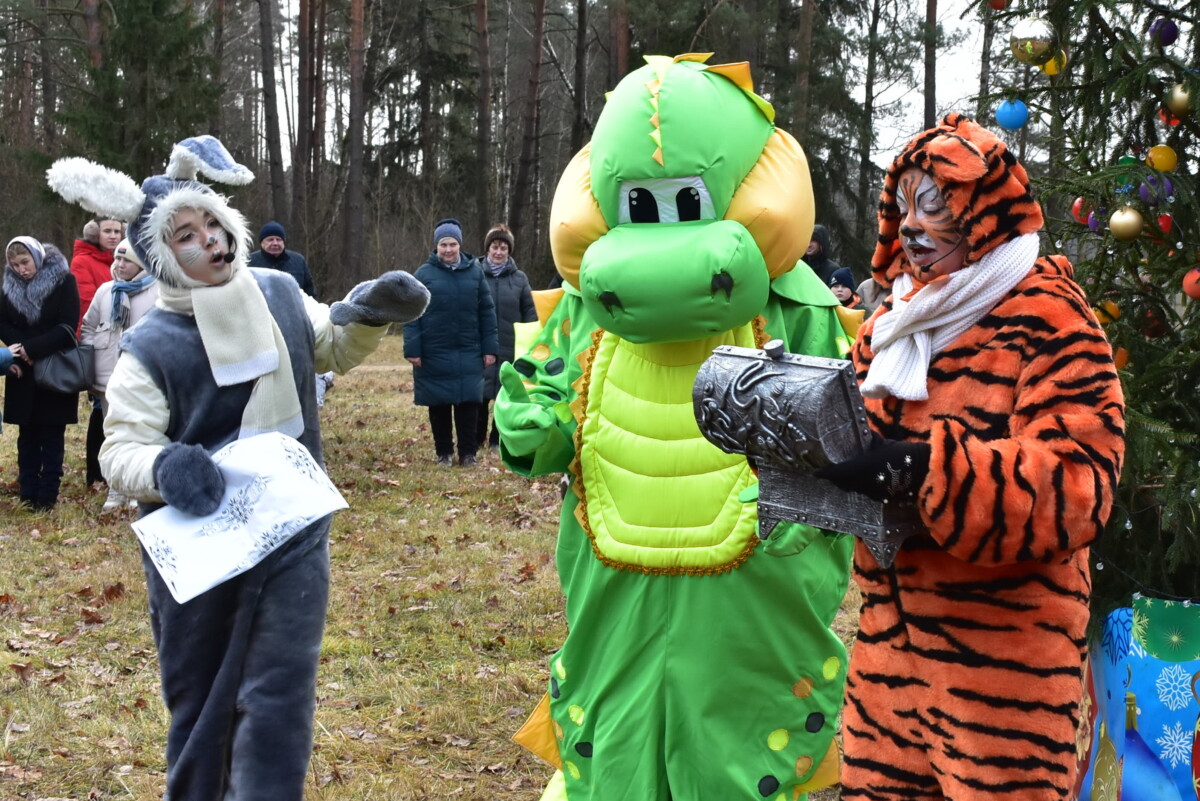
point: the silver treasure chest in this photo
(791, 415)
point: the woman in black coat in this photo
(452, 344)
(39, 308)
(514, 304)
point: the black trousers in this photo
(95, 438)
(462, 418)
(40, 451)
(481, 434)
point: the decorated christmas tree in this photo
(1103, 99)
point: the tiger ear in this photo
(956, 159)
(98, 189)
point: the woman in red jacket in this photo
(91, 264)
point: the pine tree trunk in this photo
(804, 33)
(319, 101)
(279, 210)
(619, 60)
(298, 236)
(218, 51)
(529, 138)
(49, 84)
(930, 63)
(579, 126)
(864, 221)
(92, 32)
(352, 245)
(483, 121)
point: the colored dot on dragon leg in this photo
(803, 765)
(778, 740)
(831, 668)
(767, 785)
(814, 722)
(803, 688)
(576, 714)
(571, 768)
(560, 670)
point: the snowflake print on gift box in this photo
(237, 512)
(1174, 687)
(1176, 744)
(299, 458)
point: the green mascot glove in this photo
(524, 424)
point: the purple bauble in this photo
(1164, 31)
(1155, 190)
(1096, 218)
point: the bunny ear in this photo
(98, 189)
(207, 156)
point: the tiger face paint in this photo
(931, 238)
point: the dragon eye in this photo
(687, 202)
(643, 208)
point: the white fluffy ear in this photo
(98, 189)
(205, 155)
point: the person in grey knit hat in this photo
(452, 345)
(229, 352)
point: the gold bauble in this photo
(1162, 158)
(1126, 223)
(1179, 102)
(1034, 41)
(1055, 65)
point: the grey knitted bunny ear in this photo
(208, 157)
(100, 190)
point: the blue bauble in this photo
(1012, 114)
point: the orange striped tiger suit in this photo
(966, 678)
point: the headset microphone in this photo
(228, 258)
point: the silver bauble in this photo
(1034, 41)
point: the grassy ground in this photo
(444, 607)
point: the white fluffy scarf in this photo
(243, 343)
(917, 328)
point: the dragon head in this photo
(688, 200)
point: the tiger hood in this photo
(983, 184)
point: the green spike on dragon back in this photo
(699, 661)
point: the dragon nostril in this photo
(610, 299)
(723, 281)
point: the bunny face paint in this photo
(929, 234)
(200, 246)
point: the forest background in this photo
(368, 120)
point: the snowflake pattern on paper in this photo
(1176, 744)
(239, 509)
(299, 457)
(1174, 687)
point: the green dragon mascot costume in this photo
(699, 661)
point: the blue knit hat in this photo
(271, 229)
(842, 277)
(448, 227)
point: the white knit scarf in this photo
(917, 328)
(243, 343)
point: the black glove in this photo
(890, 471)
(188, 479)
(394, 297)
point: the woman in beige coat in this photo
(117, 305)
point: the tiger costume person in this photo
(1000, 417)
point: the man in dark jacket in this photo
(817, 255)
(274, 255)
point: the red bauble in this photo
(1165, 222)
(1191, 283)
(1167, 117)
(1080, 209)
(997, 5)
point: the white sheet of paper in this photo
(273, 489)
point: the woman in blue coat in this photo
(452, 344)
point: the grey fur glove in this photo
(394, 297)
(188, 479)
